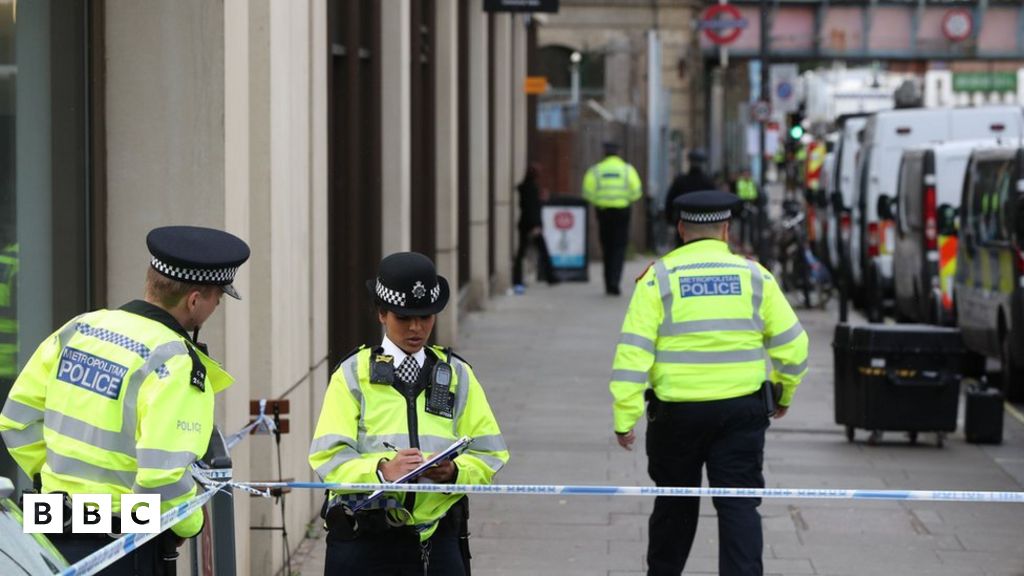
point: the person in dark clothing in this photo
(693, 181)
(530, 197)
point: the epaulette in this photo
(352, 353)
(197, 378)
(644, 273)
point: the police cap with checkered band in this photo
(705, 207)
(196, 255)
(408, 284)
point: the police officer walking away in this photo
(694, 180)
(702, 330)
(611, 186)
(375, 427)
(121, 401)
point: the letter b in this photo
(44, 514)
(90, 513)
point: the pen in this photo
(390, 446)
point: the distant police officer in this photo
(418, 399)
(611, 186)
(704, 330)
(694, 180)
(121, 401)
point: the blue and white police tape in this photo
(554, 490)
(128, 543)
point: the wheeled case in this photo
(897, 377)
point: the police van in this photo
(989, 286)
(886, 135)
(927, 198)
(843, 184)
(20, 553)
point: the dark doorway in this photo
(424, 144)
(353, 203)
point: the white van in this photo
(931, 181)
(844, 183)
(886, 135)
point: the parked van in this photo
(930, 184)
(989, 288)
(844, 184)
(886, 135)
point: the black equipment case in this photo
(983, 416)
(903, 377)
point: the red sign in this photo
(564, 220)
(957, 24)
(722, 23)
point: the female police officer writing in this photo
(389, 407)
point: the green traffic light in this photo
(796, 132)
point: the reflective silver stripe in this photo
(67, 466)
(792, 333)
(92, 435)
(493, 463)
(638, 341)
(756, 294)
(695, 357)
(666, 290)
(182, 487)
(491, 443)
(325, 443)
(705, 266)
(159, 356)
(69, 330)
(350, 370)
(629, 376)
(21, 413)
(694, 326)
(155, 459)
(337, 460)
(789, 369)
(434, 443)
(19, 438)
(461, 393)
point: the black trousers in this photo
(144, 561)
(543, 257)
(396, 552)
(613, 229)
(727, 436)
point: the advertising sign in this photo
(565, 232)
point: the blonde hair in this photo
(169, 292)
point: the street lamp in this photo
(574, 59)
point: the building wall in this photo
(217, 116)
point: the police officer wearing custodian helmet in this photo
(703, 331)
(387, 408)
(121, 401)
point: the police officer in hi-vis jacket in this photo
(389, 407)
(704, 331)
(121, 401)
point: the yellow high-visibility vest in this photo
(358, 416)
(612, 183)
(746, 189)
(8, 312)
(705, 324)
(115, 402)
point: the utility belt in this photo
(344, 524)
(770, 393)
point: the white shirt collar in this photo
(392, 349)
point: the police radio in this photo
(440, 401)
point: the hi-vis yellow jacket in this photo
(115, 402)
(8, 312)
(358, 416)
(705, 324)
(612, 183)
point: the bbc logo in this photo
(90, 514)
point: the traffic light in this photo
(796, 132)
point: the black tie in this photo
(408, 370)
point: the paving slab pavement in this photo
(544, 359)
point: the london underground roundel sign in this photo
(722, 23)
